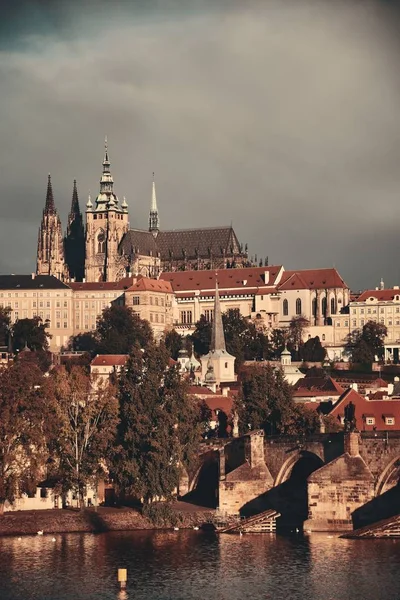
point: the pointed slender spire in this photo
(217, 332)
(106, 160)
(75, 210)
(49, 206)
(154, 220)
(153, 197)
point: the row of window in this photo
(156, 318)
(324, 307)
(34, 294)
(373, 311)
(186, 317)
(153, 301)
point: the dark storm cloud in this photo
(279, 116)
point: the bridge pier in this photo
(244, 476)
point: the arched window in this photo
(324, 307)
(285, 308)
(314, 307)
(333, 306)
(101, 242)
(298, 306)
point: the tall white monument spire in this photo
(154, 220)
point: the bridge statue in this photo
(350, 420)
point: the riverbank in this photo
(101, 520)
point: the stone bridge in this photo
(321, 482)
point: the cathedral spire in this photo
(50, 250)
(154, 220)
(106, 197)
(74, 240)
(49, 208)
(106, 161)
(75, 210)
(217, 332)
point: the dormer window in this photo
(389, 419)
(370, 420)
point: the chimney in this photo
(33, 275)
(354, 386)
(84, 280)
(266, 277)
(351, 443)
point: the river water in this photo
(198, 565)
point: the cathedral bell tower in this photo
(106, 224)
(50, 249)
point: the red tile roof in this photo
(122, 284)
(318, 385)
(368, 408)
(151, 285)
(249, 278)
(311, 279)
(109, 360)
(381, 295)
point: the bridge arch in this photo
(389, 477)
(301, 462)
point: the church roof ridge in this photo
(197, 228)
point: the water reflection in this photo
(193, 564)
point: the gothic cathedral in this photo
(108, 250)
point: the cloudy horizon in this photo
(280, 117)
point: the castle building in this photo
(111, 250)
(50, 248)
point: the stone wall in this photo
(337, 489)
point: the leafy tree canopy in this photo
(27, 422)
(243, 339)
(265, 400)
(364, 345)
(87, 413)
(30, 332)
(312, 351)
(173, 342)
(159, 426)
(5, 321)
(118, 331)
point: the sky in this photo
(281, 117)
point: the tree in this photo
(174, 343)
(201, 336)
(242, 338)
(27, 422)
(31, 333)
(159, 427)
(363, 346)
(5, 323)
(84, 342)
(278, 342)
(295, 334)
(312, 351)
(265, 400)
(119, 330)
(88, 417)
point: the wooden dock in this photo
(264, 522)
(387, 528)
